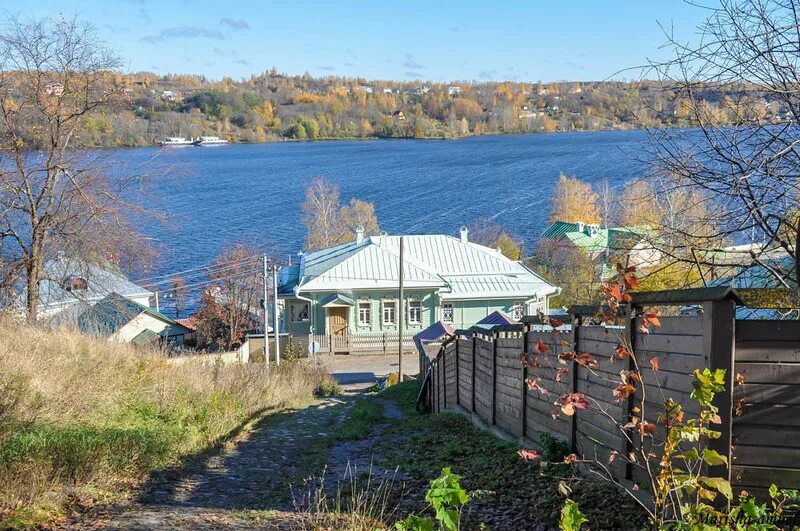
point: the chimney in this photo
(579, 226)
(464, 235)
(359, 234)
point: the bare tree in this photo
(328, 223)
(55, 199)
(748, 173)
(486, 232)
(230, 305)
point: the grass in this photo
(83, 417)
(492, 467)
(364, 413)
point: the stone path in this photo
(244, 484)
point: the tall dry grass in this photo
(80, 415)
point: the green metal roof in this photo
(112, 313)
(145, 337)
(614, 238)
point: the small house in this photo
(352, 289)
(120, 319)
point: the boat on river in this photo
(176, 141)
(209, 141)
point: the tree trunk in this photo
(797, 253)
(34, 272)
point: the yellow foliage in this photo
(573, 200)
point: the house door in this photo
(337, 320)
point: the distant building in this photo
(387, 91)
(365, 88)
(53, 89)
(399, 115)
(605, 245)
(120, 319)
(72, 284)
(454, 91)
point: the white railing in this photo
(374, 342)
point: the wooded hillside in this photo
(274, 106)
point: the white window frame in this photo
(518, 310)
(416, 305)
(296, 311)
(367, 306)
(445, 307)
(384, 307)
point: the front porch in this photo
(363, 343)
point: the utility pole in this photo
(158, 309)
(401, 319)
(275, 315)
(266, 314)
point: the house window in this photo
(389, 313)
(517, 311)
(364, 314)
(447, 312)
(298, 312)
(414, 312)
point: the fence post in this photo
(524, 416)
(719, 330)
(630, 402)
(458, 391)
(474, 370)
(444, 376)
(577, 321)
(384, 343)
(495, 335)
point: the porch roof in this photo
(337, 299)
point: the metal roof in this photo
(100, 282)
(112, 313)
(460, 270)
(614, 238)
(496, 318)
(337, 300)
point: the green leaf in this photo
(713, 458)
(691, 453)
(719, 484)
(571, 517)
(414, 523)
(773, 491)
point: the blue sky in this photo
(381, 39)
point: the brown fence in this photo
(480, 372)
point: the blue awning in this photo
(337, 300)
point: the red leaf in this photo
(573, 401)
(585, 360)
(555, 323)
(613, 456)
(535, 385)
(615, 292)
(654, 364)
(560, 373)
(529, 455)
(647, 428)
(621, 351)
(651, 318)
(569, 459)
(631, 282)
(542, 347)
(623, 391)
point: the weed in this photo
(363, 415)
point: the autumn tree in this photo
(485, 232)
(574, 200)
(54, 199)
(231, 304)
(328, 223)
(748, 172)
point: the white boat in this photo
(209, 141)
(176, 141)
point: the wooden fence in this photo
(480, 372)
(367, 343)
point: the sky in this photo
(534, 40)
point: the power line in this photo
(196, 270)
